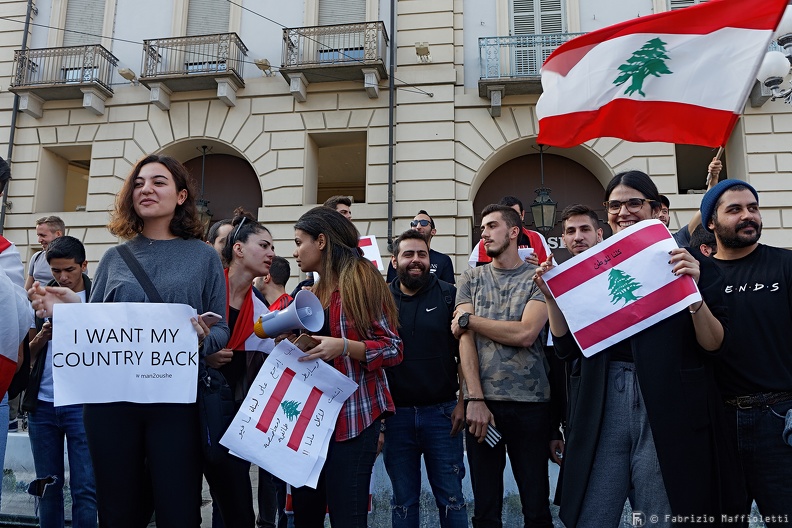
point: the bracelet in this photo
(474, 399)
(345, 352)
(692, 312)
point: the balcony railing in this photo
(170, 60)
(346, 48)
(518, 56)
(49, 70)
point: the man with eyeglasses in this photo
(439, 263)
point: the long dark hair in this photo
(125, 222)
(364, 294)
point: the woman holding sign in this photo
(248, 253)
(360, 340)
(642, 411)
(148, 456)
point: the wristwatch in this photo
(463, 320)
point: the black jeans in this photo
(145, 457)
(525, 430)
(343, 487)
(229, 485)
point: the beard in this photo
(731, 238)
(411, 282)
(493, 252)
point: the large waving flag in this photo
(620, 286)
(679, 77)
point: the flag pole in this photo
(717, 157)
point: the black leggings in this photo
(146, 457)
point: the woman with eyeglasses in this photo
(642, 413)
(359, 339)
(148, 456)
(247, 253)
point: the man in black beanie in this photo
(755, 368)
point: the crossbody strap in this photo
(139, 273)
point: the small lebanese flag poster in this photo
(371, 250)
(620, 286)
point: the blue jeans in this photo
(426, 430)
(48, 427)
(3, 428)
(765, 460)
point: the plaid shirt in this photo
(373, 398)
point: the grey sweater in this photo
(183, 271)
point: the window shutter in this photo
(85, 16)
(679, 4)
(207, 17)
(341, 12)
(523, 18)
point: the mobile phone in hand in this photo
(210, 318)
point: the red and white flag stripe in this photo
(583, 287)
(697, 101)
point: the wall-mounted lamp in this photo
(543, 207)
(776, 64)
(129, 75)
(422, 52)
(264, 65)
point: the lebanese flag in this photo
(536, 240)
(620, 286)
(679, 77)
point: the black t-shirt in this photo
(758, 293)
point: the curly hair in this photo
(124, 220)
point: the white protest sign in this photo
(371, 250)
(286, 421)
(133, 352)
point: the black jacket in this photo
(428, 373)
(37, 369)
(682, 403)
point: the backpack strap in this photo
(139, 273)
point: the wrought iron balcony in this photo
(193, 63)
(63, 73)
(514, 62)
(335, 53)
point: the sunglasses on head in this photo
(422, 223)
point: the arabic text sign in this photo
(135, 352)
(285, 422)
(620, 286)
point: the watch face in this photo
(463, 320)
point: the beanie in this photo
(712, 196)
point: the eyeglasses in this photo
(422, 223)
(633, 205)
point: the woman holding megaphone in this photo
(359, 339)
(247, 254)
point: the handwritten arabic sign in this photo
(135, 352)
(288, 416)
(620, 286)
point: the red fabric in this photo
(640, 121)
(281, 302)
(4, 243)
(7, 370)
(244, 323)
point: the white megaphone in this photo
(304, 312)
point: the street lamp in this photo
(201, 204)
(775, 65)
(543, 207)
